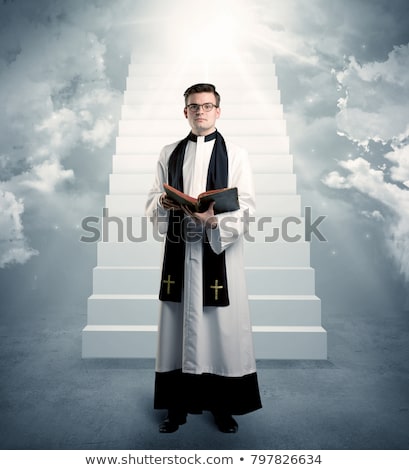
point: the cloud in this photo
(57, 104)
(376, 102)
(399, 156)
(45, 176)
(13, 245)
(375, 108)
(376, 215)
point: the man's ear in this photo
(185, 112)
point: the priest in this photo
(205, 357)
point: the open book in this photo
(225, 199)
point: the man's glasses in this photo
(196, 107)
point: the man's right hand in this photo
(167, 203)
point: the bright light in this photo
(183, 31)
(215, 29)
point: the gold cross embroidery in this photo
(168, 282)
(216, 288)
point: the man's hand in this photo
(168, 204)
(207, 218)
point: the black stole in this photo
(215, 292)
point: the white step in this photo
(123, 309)
(180, 83)
(277, 254)
(273, 183)
(229, 111)
(146, 280)
(139, 229)
(126, 280)
(266, 230)
(268, 205)
(280, 280)
(260, 144)
(124, 228)
(136, 163)
(285, 342)
(146, 163)
(285, 310)
(132, 341)
(228, 127)
(164, 96)
(119, 341)
(149, 253)
(152, 128)
(127, 253)
(272, 163)
(218, 70)
(277, 310)
(125, 183)
(141, 145)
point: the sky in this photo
(342, 72)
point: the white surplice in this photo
(193, 338)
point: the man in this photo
(205, 358)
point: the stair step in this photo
(271, 163)
(285, 310)
(230, 111)
(125, 183)
(128, 253)
(274, 205)
(146, 280)
(200, 69)
(164, 96)
(291, 343)
(268, 145)
(175, 86)
(149, 253)
(123, 309)
(228, 127)
(279, 310)
(262, 230)
(146, 163)
(140, 341)
(277, 254)
(119, 341)
(280, 280)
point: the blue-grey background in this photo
(342, 69)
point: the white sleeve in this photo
(153, 209)
(232, 225)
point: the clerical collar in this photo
(209, 137)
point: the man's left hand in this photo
(207, 218)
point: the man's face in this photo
(202, 122)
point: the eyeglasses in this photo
(196, 107)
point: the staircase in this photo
(123, 309)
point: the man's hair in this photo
(202, 88)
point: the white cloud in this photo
(100, 134)
(376, 215)
(364, 178)
(393, 70)
(375, 108)
(376, 102)
(400, 170)
(13, 245)
(337, 181)
(46, 176)
(57, 104)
